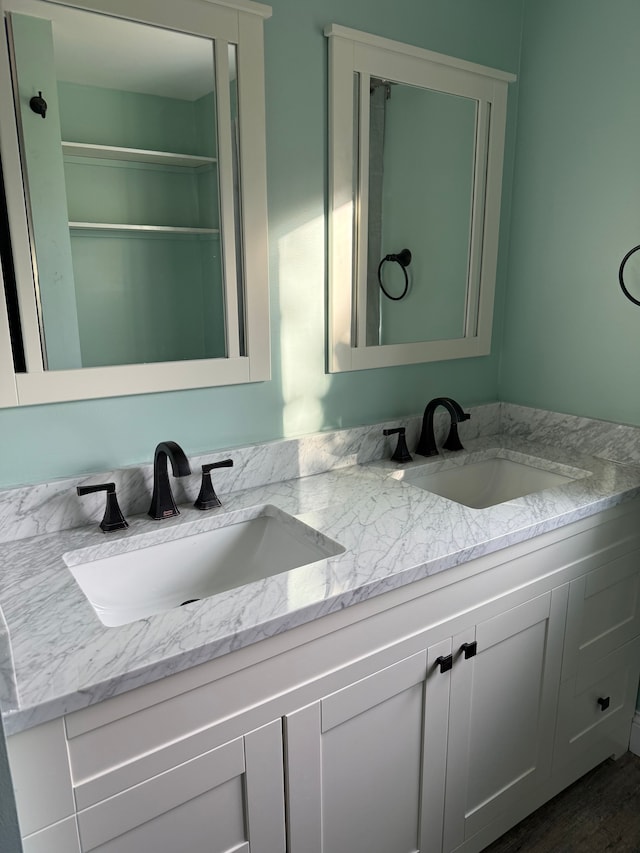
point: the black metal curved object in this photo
(470, 650)
(621, 276)
(445, 662)
(404, 259)
(427, 441)
(162, 502)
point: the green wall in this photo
(140, 297)
(43, 442)
(572, 341)
(427, 210)
(132, 120)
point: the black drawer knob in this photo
(604, 702)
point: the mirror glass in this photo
(416, 142)
(122, 175)
(420, 193)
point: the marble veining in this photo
(34, 510)
(56, 656)
(615, 442)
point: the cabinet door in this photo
(362, 774)
(229, 800)
(503, 705)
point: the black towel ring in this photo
(404, 259)
(621, 277)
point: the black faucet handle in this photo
(210, 466)
(401, 453)
(207, 498)
(113, 518)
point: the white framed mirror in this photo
(416, 143)
(132, 138)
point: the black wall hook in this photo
(38, 105)
(403, 258)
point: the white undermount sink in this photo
(484, 482)
(139, 576)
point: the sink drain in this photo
(189, 601)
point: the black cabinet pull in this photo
(445, 662)
(604, 702)
(470, 649)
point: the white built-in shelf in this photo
(153, 229)
(134, 155)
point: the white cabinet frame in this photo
(239, 22)
(351, 52)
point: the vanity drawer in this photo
(89, 790)
(215, 776)
(603, 613)
(131, 738)
(596, 708)
(227, 799)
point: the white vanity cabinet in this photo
(422, 754)
(355, 727)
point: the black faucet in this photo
(162, 502)
(427, 443)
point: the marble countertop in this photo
(56, 656)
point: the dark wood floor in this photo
(598, 814)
